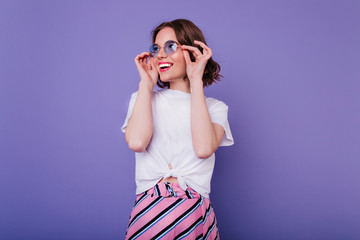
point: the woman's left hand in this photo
(195, 70)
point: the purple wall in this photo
(291, 81)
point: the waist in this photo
(167, 189)
(170, 180)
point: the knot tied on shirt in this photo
(172, 172)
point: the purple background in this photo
(291, 80)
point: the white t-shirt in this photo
(171, 142)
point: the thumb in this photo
(152, 63)
(187, 57)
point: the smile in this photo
(164, 66)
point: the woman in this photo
(175, 132)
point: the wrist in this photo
(196, 85)
(146, 86)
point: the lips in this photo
(164, 66)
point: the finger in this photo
(141, 61)
(187, 57)
(139, 58)
(142, 55)
(152, 64)
(192, 49)
(149, 66)
(206, 49)
(203, 45)
(145, 59)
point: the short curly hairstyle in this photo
(186, 32)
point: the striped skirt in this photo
(168, 212)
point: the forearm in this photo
(202, 129)
(140, 126)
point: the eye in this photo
(154, 48)
(172, 45)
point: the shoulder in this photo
(154, 93)
(215, 104)
(159, 92)
(134, 94)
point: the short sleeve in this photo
(218, 111)
(130, 109)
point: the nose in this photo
(161, 53)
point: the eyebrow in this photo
(167, 41)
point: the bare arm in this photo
(140, 125)
(206, 135)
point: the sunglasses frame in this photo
(166, 48)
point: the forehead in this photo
(164, 35)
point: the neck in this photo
(181, 85)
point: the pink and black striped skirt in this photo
(168, 212)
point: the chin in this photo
(171, 78)
(165, 79)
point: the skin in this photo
(206, 135)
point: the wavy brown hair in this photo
(186, 32)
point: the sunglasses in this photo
(169, 48)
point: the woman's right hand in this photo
(147, 69)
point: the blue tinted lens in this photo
(170, 47)
(154, 49)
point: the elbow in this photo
(203, 153)
(204, 150)
(137, 145)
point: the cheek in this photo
(179, 59)
(178, 56)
